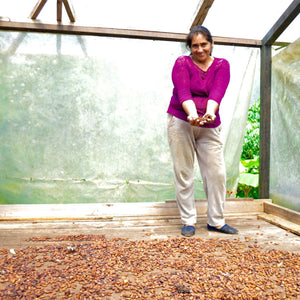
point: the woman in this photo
(200, 82)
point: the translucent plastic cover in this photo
(285, 124)
(83, 119)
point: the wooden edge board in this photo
(282, 212)
(112, 218)
(117, 210)
(280, 222)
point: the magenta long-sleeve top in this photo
(192, 83)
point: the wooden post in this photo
(265, 121)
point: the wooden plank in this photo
(201, 12)
(120, 33)
(283, 22)
(265, 121)
(282, 212)
(280, 222)
(59, 10)
(93, 211)
(69, 11)
(37, 9)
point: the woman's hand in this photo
(196, 120)
(211, 109)
(209, 117)
(193, 118)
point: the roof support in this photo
(59, 10)
(201, 12)
(40, 4)
(115, 32)
(69, 10)
(283, 22)
(265, 95)
(37, 9)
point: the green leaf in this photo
(249, 179)
(248, 163)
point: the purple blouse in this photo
(192, 83)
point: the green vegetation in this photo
(249, 174)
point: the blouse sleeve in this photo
(181, 79)
(221, 81)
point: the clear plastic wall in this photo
(285, 124)
(83, 119)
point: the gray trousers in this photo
(186, 140)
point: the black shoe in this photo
(188, 230)
(225, 229)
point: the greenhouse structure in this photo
(84, 157)
(84, 94)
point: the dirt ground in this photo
(147, 259)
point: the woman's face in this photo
(201, 48)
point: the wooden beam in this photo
(201, 12)
(114, 32)
(265, 121)
(59, 10)
(229, 41)
(37, 9)
(69, 10)
(283, 22)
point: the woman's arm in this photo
(211, 108)
(181, 81)
(190, 108)
(216, 94)
(193, 117)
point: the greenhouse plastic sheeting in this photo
(285, 124)
(83, 119)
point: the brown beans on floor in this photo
(95, 267)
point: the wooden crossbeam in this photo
(121, 33)
(37, 9)
(201, 12)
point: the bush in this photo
(249, 172)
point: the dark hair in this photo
(195, 31)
